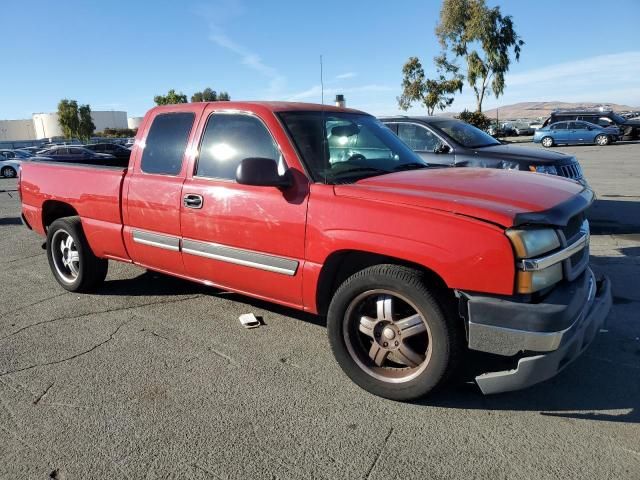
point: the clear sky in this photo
(118, 54)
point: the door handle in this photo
(191, 200)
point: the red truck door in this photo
(245, 238)
(153, 188)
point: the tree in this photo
(484, 38)
(207, 95)
(68, 117)
(86, 127)
(477, 119)
(432, 93)
(170, 98)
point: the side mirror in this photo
(262, 172)
(442, 148)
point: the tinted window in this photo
(75, 151)
(605, 122)
(559, 126)
(229, 139)
(417, 137)
(166, 143)
(575, 126)
(465, 134)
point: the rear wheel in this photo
(602, 140)
(547, 142)
(389, 335)
(8, 172)
(71, 260)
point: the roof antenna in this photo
(321, 82)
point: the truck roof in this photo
(272, 106)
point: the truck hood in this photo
(504, 197)
(535, 156)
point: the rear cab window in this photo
(166, 143)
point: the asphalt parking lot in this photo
(153, 377)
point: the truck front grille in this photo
(573, 171)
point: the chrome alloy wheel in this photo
(387, 336)
(602, 140)
(547, 142)
(65, 256)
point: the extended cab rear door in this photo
(152, 192)
(245, 238)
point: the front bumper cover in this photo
(577, 311)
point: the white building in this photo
(17, 130)
(134, 122)
(45, 125)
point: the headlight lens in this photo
(531, 243)
(507, 165)
(548, 169)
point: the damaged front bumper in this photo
(550, 334)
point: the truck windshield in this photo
(339, 147)
(466, 135)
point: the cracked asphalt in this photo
(153, 377)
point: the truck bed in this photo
(94, 192)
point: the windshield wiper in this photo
(362, 169)
(410, 166)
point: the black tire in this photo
(88, 272)
(442, 344)
(8, 172)
(602, 140)
(547, 142)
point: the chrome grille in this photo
(573, 171)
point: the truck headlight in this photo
(530, 244)
(548, 169)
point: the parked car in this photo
(33, 150)
(22, 153)
(573, 133)
(522, 129)
(408, 263)
(444, 141)
(9, 168)
(499, 131)
(75, 154)
(117, 151)
(629, 129)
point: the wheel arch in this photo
(52, 210)
(341, 264)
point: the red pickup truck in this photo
(325, 210)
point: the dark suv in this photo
(445, 141)
(629, 129)
(117, 151)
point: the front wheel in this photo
(547, 142)
(71, 259)
(8, 172)
(389, 335)
(602, 140)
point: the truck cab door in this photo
(426, 143)
(153, 190)
(242, 237)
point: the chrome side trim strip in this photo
(530, 264)
(166, 242)
(238, 256)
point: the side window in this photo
(166, 143)
(228, 139)
(417, 137)
(575, 125)
(392, 126)
(559, 126)
(605, 122)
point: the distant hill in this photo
(544, 109)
